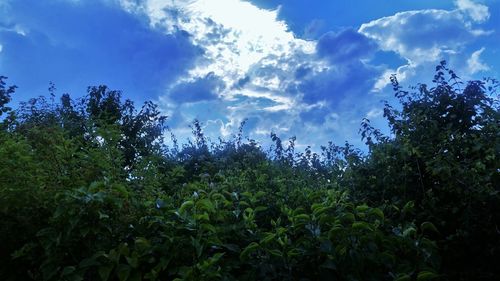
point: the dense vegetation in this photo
(89, 191)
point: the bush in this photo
(88, 191)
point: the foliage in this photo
(88, 191)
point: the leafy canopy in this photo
(89, 191)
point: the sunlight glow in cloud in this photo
(232, 42)
(253, 54)
(261, 70)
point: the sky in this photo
(310, 69)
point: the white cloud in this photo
(475, 64)
(421, 36)
(374, 113)
(16, 28)
(232, 41)
(240, 42)
(267, 73)
(1, 48)
(425, 37)
(20, 30)
(476, 11)
(402, 73)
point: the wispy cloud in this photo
(478, 12)
(475, 64)
(87, 43)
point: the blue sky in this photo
(310, 69)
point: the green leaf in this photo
(408, 207)
(123, 272)
(410, 231)
(121, 189)
(205, 204)
(426, 275)
(404, 277)
(320, 209)
(142, 244)
(23, 251)
(123, 249)
(84, 231)
(377, 212)
(197, 246)
(209, 228)
(136, 276)
(246, 194)
(302, 217)
(329, 264)
(252, 247)
(428, 226)
(260, 209)
(232, 247)
(216, 257)
(92, 261)
(293, 253)
(362, 225)
(133, 261)
(103, 215)
(276, 253)
(105, 271)
(268, 238)
(316, 206)
(348, 217)
(186, 205)
(68, 270)
(202, 217)
(244, 204)
(362, 208)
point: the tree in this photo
(444, 156)
(5, 95)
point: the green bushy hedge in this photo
(88, 191)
